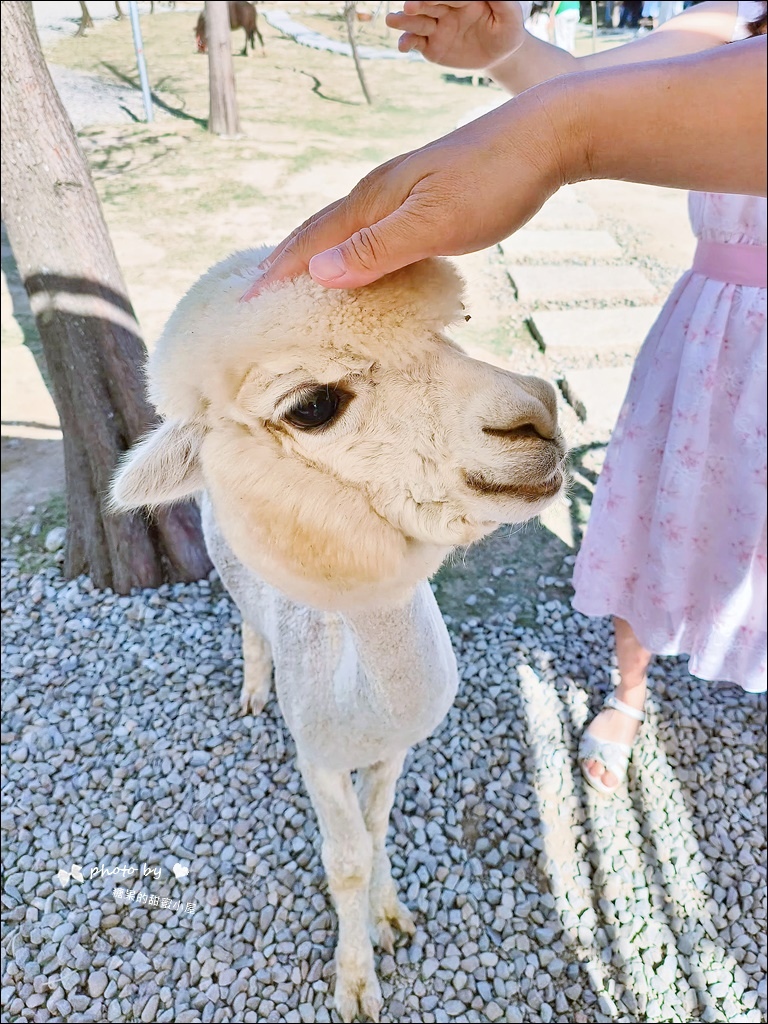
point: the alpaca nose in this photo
(531, 412)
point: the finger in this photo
(408, 41)
(325, 229)
(419, 25)
(269, 260)
(336, 223)
(424, 6)
(290, 268)
(364, 189)
(368, 254)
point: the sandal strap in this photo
(614, 757)
(619, 705)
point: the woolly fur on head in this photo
(299, 526)
(212, 339)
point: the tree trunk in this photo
(223, 118)
(91, 341)
(85, 21)
(350, 9)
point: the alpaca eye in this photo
(314, 411)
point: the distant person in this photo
(630, 13)
(669, 9)
(660, 11)
(564, 18)
(537, 22)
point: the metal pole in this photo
(593, 5)
(138, 46)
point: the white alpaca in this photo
(344, 445)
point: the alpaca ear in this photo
(432, 290)
(162, 468)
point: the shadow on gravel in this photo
(111, 160)
(581, 487)
(640, 904)
(179, 112)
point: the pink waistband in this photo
(732, 262)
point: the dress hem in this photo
(670, 649)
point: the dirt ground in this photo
(177, 200)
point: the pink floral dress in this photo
(676, 540)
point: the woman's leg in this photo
(611, 725)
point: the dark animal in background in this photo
(241, 15)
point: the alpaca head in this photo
(345, 442)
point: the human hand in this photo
(462, 34)
(459, 194)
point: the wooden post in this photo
(223, 118)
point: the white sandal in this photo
(614, 757)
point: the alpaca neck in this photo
(402, 647)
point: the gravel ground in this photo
(93, 99)
(535, 900)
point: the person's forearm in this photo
(535, 62)
(696, 122)
(697, 29)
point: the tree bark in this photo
(223, 118)
(90, 338)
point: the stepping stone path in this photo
(568, 333)
(560, 246)
(563, 258)
(562, 211)
(552, 282)
(596, 394)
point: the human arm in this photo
(703, 127)
(696, 29)
(492, 36)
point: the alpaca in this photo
(344, 445)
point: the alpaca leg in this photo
(261, 40)
(376, 792)
(347, 858)
(257, 671)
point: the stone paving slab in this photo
(597, 394)
(561, 245)
(587, 331)
(564, 212)
(562, 283)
